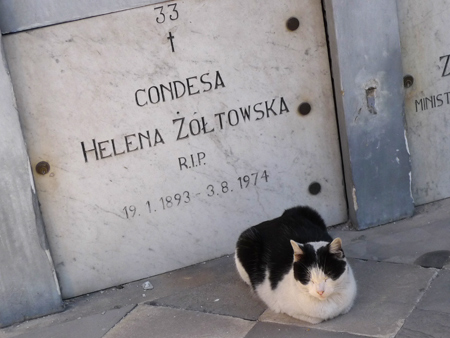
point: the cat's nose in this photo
(320, 292)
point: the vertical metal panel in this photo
(367, 71)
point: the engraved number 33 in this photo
(162, 17)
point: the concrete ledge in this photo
(150, 321)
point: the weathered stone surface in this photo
(170, 283)
(270, 330)
(387, 293)
(94, 326)
(385, 246)
(28, 285)
(425, 54)
(436, 298)
(150, 321)
(227, 295)
(403, 241)
(228, 147)
(434, 259)
(426, 324)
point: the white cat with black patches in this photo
(295, 267)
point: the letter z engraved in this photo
(179, 137)
(445, 72)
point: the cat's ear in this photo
(298, 252)
(336, 248)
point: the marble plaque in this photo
(425, 42)
(171, 128)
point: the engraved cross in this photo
(171, 37)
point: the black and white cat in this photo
(295, 267)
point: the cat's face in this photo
(319, 266)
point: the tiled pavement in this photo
(402, 270)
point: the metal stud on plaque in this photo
(42, 168)
(408, 81)
(314, 188)
(292, 24)
(304, 108)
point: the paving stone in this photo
(387, 293)
(426, 324)
(94, 326)
(270, 330)
(191, 276)
(401, 242)
(131, 294)
(228, 295)
(436, 298)
(163, 285)
(150, 321)
(423, 239)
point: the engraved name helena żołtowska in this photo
(185, 129)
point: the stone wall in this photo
(28, 284)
